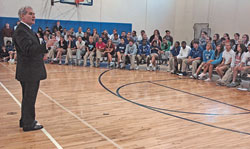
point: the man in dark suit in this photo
(30, 67)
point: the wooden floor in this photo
(85, 108)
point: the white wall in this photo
(223, 16)
(143, 14)
(178, 16)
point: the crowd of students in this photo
(228, 57)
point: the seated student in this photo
(12, 52)
(109, 52)
(112, 36)
(91, 49)
(169, 37)
(173, 64)
(216, 39)
(52, 49)
(85, 37)
(123, 35)
(194, 59)
(155, 50)
(158, 41)
(120, 52)
(7, 33)
(61, 49)
(4, 54)
(58, 35)
(209, 40)
(140, 36)
(156, 33)
(144, 52)
(215, 60)
(202, 40)
(245, 40)
(228, 61)
(71, 49)
(243, 67)
(227, 37)
(144, 37)
(183, 54)
(236, 41)
(128, 38)
(223, 42)
(40, 38)
(80, 50)
(95, 35)
(88, 31)
(80, 32)
(130, 52)
(134, 36)
(165, 49)
(104, 38)
(107, 36)
(232, 72)
(100, 47)
(207, 54)
(116, 40)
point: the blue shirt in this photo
(196, 53)
(144, 49)
(9, 48)
(207, 55)
(121, 48)
(217, 59)
(153, 49)
(175, 51)
(213, 46)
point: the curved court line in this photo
(176, 111)
(213, 114)
(153, 109)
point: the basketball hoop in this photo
(78, 2)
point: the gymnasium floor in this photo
(86, 108)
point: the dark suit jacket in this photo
(58, 28)
(30, 65)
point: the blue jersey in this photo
(175, 51)
(121, 48)
(207, 55)
(144, 49)
(154, 49)
(194, 53)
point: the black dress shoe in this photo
(21, 123)
(35, 127)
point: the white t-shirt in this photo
(80, 45)
(229, 55)
(184, 52)
(246, 58)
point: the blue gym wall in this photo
(100, 26)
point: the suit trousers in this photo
(29, 94)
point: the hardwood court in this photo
(99, 108)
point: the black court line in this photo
(176, 111)
(150, 108)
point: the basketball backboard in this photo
(81, 2)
